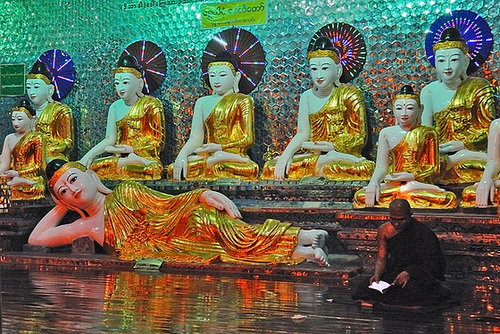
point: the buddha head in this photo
(23, 117)
(128, 76)
(73, 185)
(324, 64)
(223, 74)
(451, 56)
(39, 85)
(406, 107)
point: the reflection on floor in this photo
(104, 301)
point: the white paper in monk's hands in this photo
(381, 286)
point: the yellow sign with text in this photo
(229, 14)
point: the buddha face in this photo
(451, 64)
(21, 122)
(222, 80)
(38, 91)
(324, 72)
(406, 112)
(127, 86)
(76, 188)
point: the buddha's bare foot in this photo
(321, 257)
(319, 241)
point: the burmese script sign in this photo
(12, 79)
(229, 14)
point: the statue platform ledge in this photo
(343, 266)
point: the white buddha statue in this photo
(222, 130)
(460, 108)
(331, 126)
(135, 130)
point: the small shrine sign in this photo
(230, 14)
(12, 79)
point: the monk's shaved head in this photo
(400, 208)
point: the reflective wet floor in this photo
(92, 301)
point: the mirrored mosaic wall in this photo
(94, 33)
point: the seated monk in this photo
(225, 122)
(23, 160)
(53, 119)
(135, 130)
(410, 259)
(331, 126)
(485, 192)
(200, 226)
(461, 109)
(407, 160)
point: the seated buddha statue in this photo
(407, 161)
(200, 226)
(23, 159)
(486, 192)
(135, 130)
(222, 130)
(53, 119)
(331, 126)
(461, 109)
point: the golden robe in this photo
(143, 128)
(56, 123)
(467, 118)
(230, 124)
(341, 121)
(141, 222)
(416, 153)
(28, 159)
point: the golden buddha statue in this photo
(53, 119)
(23, 159)
(407, 162)
(222, 130)
(200, 226)
(331, 126)
(135, 130)
(461, 109)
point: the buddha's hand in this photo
(19, 181)
(485, 190)
(220, 202)
(10, 174)
(119, 149)
(282, 167)
(451, 147)
(206, 149)
(400, 177)
(321, 146)
(180, 168)
(372, 194)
